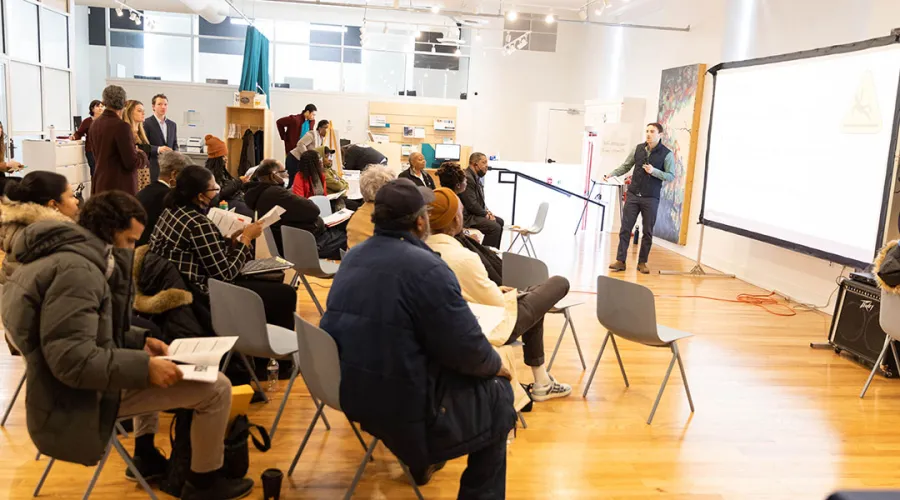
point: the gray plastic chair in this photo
(270, 242)
(113, 443)
(321, 367)
(527, 232)
(239, 312)
(21, 381)
(522, 272)
(629, 311)
(300, 249)
(323, 204)
(889, 319)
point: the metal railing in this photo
(504, 178)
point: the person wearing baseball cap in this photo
(411, 349)
(446, 220)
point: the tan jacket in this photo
(360, 227)
(14, 217)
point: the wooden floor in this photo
(774, 418)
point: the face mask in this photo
(481, 174)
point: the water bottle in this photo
(223, 205)
(272, 370)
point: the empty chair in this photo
(527, 232)
(113, 443)
(321, 369)
(522, 272)
(889, 319)
(628, 310)
(239, 312)
(300, 249)
(323, 204)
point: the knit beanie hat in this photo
(215, 147)
(443, 208)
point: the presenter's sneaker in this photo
(151, 467)
(221, 488)
(550, 391)
(617, 266)
(643, 269)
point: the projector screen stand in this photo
(697, 271)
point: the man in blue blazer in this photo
(161, 132)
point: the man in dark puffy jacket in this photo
(416, 370)
(267, 191)
(67, 308)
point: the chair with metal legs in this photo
(527, 232)
(628, 310)
(13, 400)
(113, 443)
(321, 369)
(323, 203)
(522, 272)
(239, 312)
(889, 319)
(300, 249)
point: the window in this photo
(54, 39)
(24, 31)
(147, 55)
(295, 66)
(57, 101)
(539, 36)
(25, 87)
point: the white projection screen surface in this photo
(799, 151)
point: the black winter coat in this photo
(416, 370)
(299, 212)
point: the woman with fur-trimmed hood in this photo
(38, 197)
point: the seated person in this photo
(232, 189)
(476, 213)
(171, 164)
(267, 191)
(416, 171)
(333, 182)
(187, 238)
(361, 156)
(447, 222)
(87, 366)
(416, 370)
(360, 227)
(453, 177)
(310, 178)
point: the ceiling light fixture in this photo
(512, 15)
(549, 19)
(418, 34)
(583, 14)
(457, 53)
(119, 12)
(435, 9)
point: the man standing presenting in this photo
(161, 132)
(477, 214)
(657, 165)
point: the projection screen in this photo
(801, 149)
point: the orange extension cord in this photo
(762, 301)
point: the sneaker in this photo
(152, 467)
(423, 476)
(221, 489)
(550, 391)
(643, 269)
(617, 266)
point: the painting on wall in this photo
(680, 100)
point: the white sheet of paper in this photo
(228, 222)
(338, 217)
(335, 196)
(195, 373)
(489, 317)
(203, 351)
(272, 216)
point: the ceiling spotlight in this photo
(418, 34)
(549, 19)
(457, 53)
(512, 15)
(583, 14)
(119, 12)
(137, 21)
(433, 49)
(435, 9)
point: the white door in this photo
(565, 136)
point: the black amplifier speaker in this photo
(855, 328)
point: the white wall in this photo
(733, 30)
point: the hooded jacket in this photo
(299, 212)
(14, 217)
(72, 324)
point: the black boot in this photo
(215, 486)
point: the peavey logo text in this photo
(868, 305)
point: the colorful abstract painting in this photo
(680, 99)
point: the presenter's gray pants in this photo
(646, 207)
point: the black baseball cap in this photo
(402, 197)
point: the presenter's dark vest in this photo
(642, 183)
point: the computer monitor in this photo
(446, 152)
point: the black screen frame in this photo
(889, 170)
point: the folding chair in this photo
(323, 204)
(889, 319)
(321, 369)
(300, 249)
(527, 232)
(628, 310)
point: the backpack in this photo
(237, 451)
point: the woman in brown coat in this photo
(114, 147)
(133, 115)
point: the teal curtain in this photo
(255, 73)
